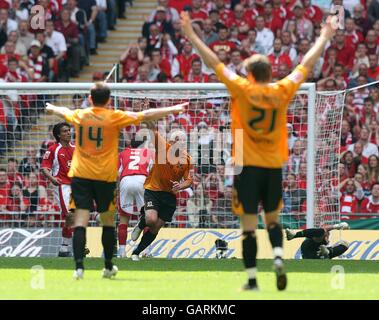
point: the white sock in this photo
(67, 241)
(251, 272)
(122, 248)
(278, 252)
(64, 248)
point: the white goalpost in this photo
(313, 117)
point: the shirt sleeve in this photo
(47, 160)
(69, 116)
(290, 84)
(233, 82)
(126, 118)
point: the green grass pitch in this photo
(160, 279)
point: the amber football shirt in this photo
(97, 133)
(259, 111)
(162, 175)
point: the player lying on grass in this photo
(259, 114)
(94, 166)
(163, 182)
(316, 244)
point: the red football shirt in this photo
(133, 162)
(58, 159)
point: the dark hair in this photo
(374, 184)
(162, 77)
(12, 59)
(12, 160)
(195, 60)
(260, 68)
(100, 94)
(57, 130)
(3, 170)
(368, 99)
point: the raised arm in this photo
(58, 111)
(327, 33)
(209, 57)
(155, 114)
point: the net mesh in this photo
(25, 134)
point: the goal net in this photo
(310, 178)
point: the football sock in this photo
(142, 222)
(276, 238)
(108, 240)
(122, 234)
(79, 243)
(146, 240)
(249, 252)
(67, 233)
(310, 233)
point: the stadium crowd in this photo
(282, 30)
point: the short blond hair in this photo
(259, 66)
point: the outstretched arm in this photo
(155, 114)
(327, 33)
(209, 57)
(58, 111)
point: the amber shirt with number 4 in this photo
(97, 134)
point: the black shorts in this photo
(85, 192)
(163, 202)
(256, 185)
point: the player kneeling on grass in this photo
(316, 244)
(133, 169)
(94, 166)
(164, 181)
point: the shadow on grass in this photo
(192, 265)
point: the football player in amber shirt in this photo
(258, 113)
(171, 173)
(94, 166)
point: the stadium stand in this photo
(283, 30)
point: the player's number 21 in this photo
(261, 116)
(93, 134)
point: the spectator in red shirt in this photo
(223, 42)
(13, 175)
(278, 57)
(16, 201)
(195, 74)
(345, 53)
(353, 37)
(185, 58)
(272, 22)
(278, 10)
(131, 59)
(373, 70)
(4, 184)
(372, 42)
(371, 203)
(346, 136)
(243, 25)
(197, 13)
(350, 198)
(159, 64)
(350, 167)
(361, 177)
(312, 12)
(373, 169)
(361, 22)
(225, 14)
(143, 74)
(70, 31)
(330, 63)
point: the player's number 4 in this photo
(93, 134)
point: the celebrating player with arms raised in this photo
(94, 166)
(55, 166)
(259, 110)
(164, 181)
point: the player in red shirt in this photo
(55, 166)
(133, 168)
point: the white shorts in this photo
(62, 196)
(131, 191)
